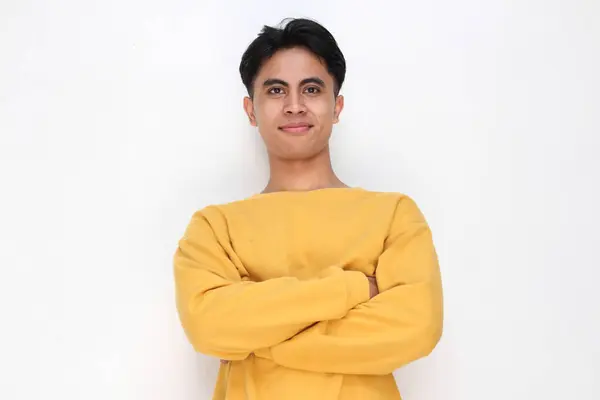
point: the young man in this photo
(310, 289)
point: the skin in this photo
(294, 87)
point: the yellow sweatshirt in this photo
(277, 284)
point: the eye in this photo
(312, 90)
(275, 90)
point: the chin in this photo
(299, 154)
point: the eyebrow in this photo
(274, 81)
(312, 79)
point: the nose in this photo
(294, 104)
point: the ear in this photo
(249, 109)
(339, 106)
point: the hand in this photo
(373, 289)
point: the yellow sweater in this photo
(277, 284)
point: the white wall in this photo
(119, 119)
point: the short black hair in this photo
(296, 32)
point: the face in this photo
(294, 106)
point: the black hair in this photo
(298, 32)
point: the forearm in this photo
(377, 337)
(229, 320)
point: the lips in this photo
(297, 127)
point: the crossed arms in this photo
(329, 324)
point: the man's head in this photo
(293, 76)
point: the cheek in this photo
(324, 110)
(267, 112)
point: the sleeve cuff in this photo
(264, 353)
(357, 288)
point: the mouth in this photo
(296, 128)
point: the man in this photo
(310, 289)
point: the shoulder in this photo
(399, 199)
(218, 214)
(403, 206)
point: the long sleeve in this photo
(227, 316)
(401, 324)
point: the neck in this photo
(302, 175)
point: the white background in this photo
(119, 119)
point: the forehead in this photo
(293, 65)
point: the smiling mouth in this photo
(296, 128)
